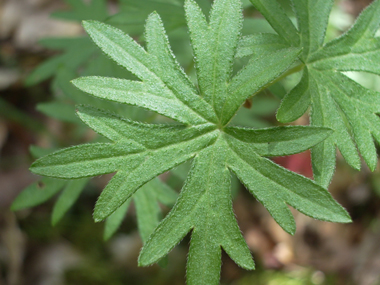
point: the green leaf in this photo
(124, 184)
(253, 78)
(365, 123)
(65, 67)
(76, 53)
(147, 210)
(133, 152)
(140, 152)
(336, 101)
(114, 221)
(260, 43)
(358, 41)
(37, 193)
(44, 189)
(275, 187)
(62, 85)
(214, 47)
(296, 102)
(89, 160)
(309, 13)
(133, 13)
(280, 141)
(59, 110)
(276, 16)
(169, 69)
(150, 136)
(125, 91)
(67, 198)
(205, 206)
(132, 56)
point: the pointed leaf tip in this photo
(97, 219)
(87, 23)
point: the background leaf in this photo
(67, 199)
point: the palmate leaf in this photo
(139, 152)
(336, 101)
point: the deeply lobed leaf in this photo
(323, 87)
(140, 152)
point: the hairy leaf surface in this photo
(81, 56)
(336, 101)
(139, 152)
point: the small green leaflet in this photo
(148, 211)
(76, 52)
(67, 199)
(139, 152)
(336, 101)
(44, 189)
(37, 193)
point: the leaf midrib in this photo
(192, 211)
(339, 55)
(147, 150)
(281, 186)
(215, 62)
(261, 143)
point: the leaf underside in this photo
(139, 152)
